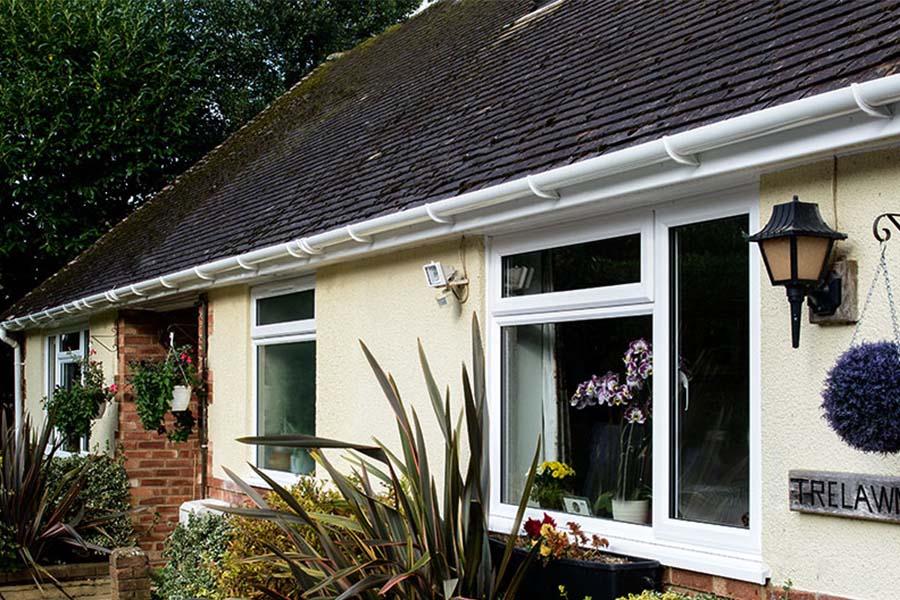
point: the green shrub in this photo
(194, 551)
(241, 577)
(9, 557)
(651, 595)
(105, 493)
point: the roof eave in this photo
(851, 117)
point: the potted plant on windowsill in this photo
(163, 386)
(552, 481)
(75, 408)
(631, 401)
(569, 559)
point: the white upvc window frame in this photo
(59, 360)
(303, 330)
(720, 550)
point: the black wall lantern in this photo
(795, 245)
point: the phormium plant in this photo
(429, 541)
(39, 524)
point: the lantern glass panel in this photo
(811, 255)
(777, 254)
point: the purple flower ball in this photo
(862, 397)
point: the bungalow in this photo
(582, 176)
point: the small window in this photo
(284, 338)
(286, 402)
(64, 351)
(600, 263)
(297, 306)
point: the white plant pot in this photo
(181, 397)
(631, 511)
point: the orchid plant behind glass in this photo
(633, 397)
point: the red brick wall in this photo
(162, 474)
(691, 581)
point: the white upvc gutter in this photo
(684, 149)
(18, 407)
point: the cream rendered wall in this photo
(384, 302)
(850, 558)
(35, 374)
(231, 411)
(103, 330)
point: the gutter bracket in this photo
(306, 247)
(246, 266)
(203, 275)
(136, 293)
(540, 192)
(681, 158)
(437, 218)
(293, 252)
(879, 112)
(166, 284)
(362, 239)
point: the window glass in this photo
(286, 383)
(297, 306)
(70, 342)
(612, 261)
(585, 387)
(710, 377)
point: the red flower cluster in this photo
(533, 526)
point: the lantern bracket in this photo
(881, 232)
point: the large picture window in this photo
(625, 346)
(284, 333)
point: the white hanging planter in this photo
(181, 397)
(631, 511)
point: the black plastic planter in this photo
(600, 581)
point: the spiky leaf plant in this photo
(40, 513)
(430, 542)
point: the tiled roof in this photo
(469, 94)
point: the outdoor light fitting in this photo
(795, 245)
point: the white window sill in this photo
(282, 478)
(733, 565)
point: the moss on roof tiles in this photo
(457, 99)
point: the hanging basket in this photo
(861, 398)
(181, 397)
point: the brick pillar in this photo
(129, 572)
(162, 474)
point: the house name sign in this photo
(846, 495)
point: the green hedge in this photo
(106, 492)
(193, 552)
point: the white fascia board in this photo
(799, 131)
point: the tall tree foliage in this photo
(104, 101)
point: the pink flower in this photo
(114, 389)
(188, 360)
(93, 352)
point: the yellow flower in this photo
(545, 550)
